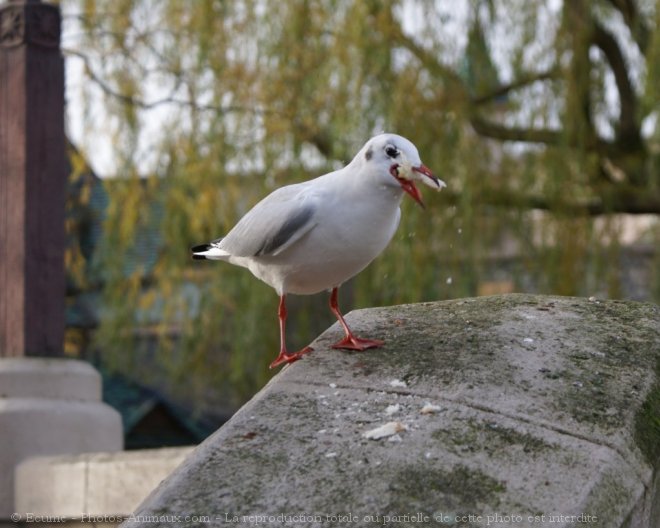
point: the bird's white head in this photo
(395, 161)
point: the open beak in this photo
(410, 187)
(426, 176)
(429, 178)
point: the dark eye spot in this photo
(391, 151)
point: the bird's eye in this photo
(391, 151)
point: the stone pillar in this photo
(33, 172)
(50, 407)
(47, 406)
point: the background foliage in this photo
(541, 116)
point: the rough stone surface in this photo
(548, 407)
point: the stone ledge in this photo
(541, 407)
(92, 486)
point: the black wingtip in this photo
(199, 249)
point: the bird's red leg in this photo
(284, 356)
(351, 341)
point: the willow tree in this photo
(541, 116)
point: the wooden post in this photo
(32, 180)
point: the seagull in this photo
(313, 236)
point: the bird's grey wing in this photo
(274, 224)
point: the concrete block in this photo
(51, 486)
(45, 378)
(92, 487)
(538, 411)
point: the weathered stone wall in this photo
(502, 411)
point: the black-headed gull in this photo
(313, 236)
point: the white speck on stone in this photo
(528, 340)
(395, 438)
(389, 429)
(391, 409)
(429, 408)
(333, 385)
(330, 455)
(449, 280)
(578, 384)
(427, 455)
(398, 383)
(321, 431)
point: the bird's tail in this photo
(208, 251)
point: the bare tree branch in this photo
(431, 63)
(520, 82)
(487, 128)
(628, 127)
(638, 29)
(490, 129)
(170, 99)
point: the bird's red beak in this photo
(409, 185)
(425, 171)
